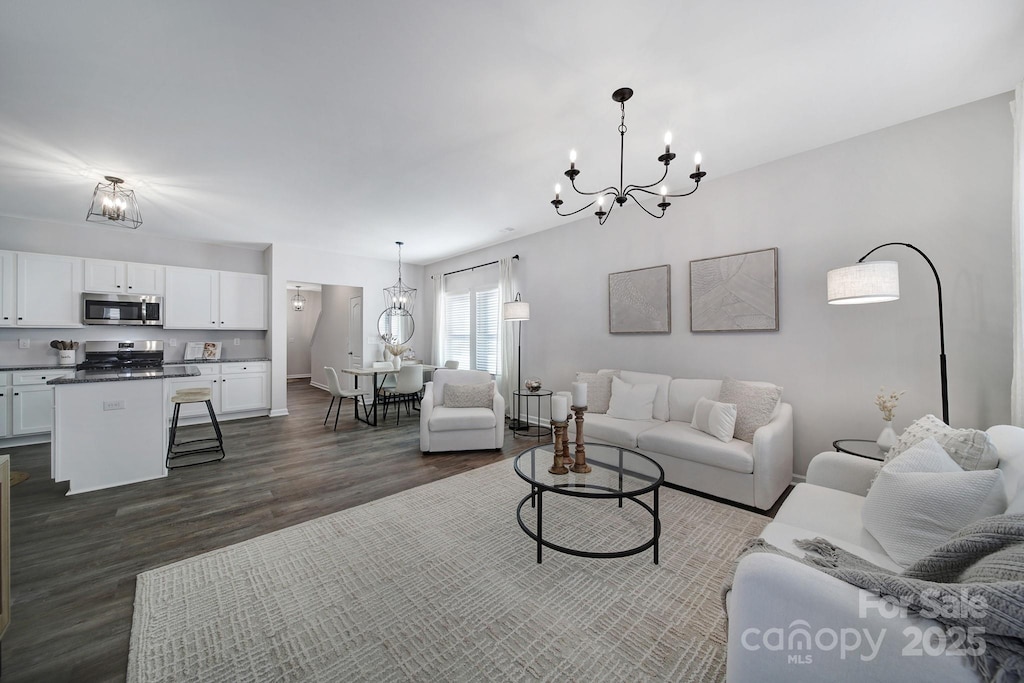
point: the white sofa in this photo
(775, 592)
(754, 474)
(443, 428)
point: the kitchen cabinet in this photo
(49, 290)
(244, 386)
(5, 423)
(191, 300)
(209, 299)
(31, 401)
(117, 277)
(7, 281)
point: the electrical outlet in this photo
(114, 405)
(23, 343)
(172, 341)
(237, 341)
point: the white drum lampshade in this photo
(867, 282)
(515, 310)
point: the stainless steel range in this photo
(123, 355)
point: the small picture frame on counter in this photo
(202, 350)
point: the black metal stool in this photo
(193, 396)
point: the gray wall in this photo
(331, 341)
(941, 183)
(300, 332)
(140, 246)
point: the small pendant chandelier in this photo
(622, 193)
(298, 301)
(114, 204)
(398, 295)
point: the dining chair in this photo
(451, 364)
(339, 394)
(406, 391)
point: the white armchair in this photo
(446, 428)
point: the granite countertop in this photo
(87, 376)
(37, 366)
(221, 360)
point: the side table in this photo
(863, 448)
(522, 426)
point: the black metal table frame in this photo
(536, 499)
(840, 448)
(376, 395)
(538, 430)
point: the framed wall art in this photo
(735, 293)
(640, 301)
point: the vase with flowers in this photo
(396, 351)
(886, 403)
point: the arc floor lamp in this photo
(869, 282)
(517, 311)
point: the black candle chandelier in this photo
(623, 192)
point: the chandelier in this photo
(298, 301)
(622, 193)
(112, 203)
(398, 295)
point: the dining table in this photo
(378, 376)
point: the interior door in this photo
(355, 332)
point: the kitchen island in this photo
(110, 426)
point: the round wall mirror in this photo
(395, 326)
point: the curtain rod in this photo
(463, 270)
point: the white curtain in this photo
(1017, 251)
(439, 335)
(506, 371)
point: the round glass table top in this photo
(615, 471)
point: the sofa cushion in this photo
(683, 395)
(445, 419)
(831, 513)
(1009, 441)
(682, 441)
(632, 401)
(922, 497)
(599, 390)
(716, 419)
(612, 429)
(469, 395)
(660, 398)
(442, 376)
(756, 404)
(971, 449)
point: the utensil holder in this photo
(67, 356)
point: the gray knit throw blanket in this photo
(983, 563)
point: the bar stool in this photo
(198, 395)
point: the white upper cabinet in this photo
(49, 290)
(243, 301)
(7, 305)
(144, 278)
(192, 298)
(117, 277)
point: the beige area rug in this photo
(439, 583)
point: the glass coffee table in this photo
(617, 473)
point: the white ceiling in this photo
(347, 126)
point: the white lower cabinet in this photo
(234, 388)
(5, 423)
(28, 402)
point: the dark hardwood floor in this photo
(74, 559)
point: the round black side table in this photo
(863, 448)
(521, 426)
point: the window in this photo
(471, 328)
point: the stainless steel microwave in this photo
(122, 309)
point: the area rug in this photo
(440, 583)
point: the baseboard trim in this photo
(799, 479)
(299, 376)
(322, 387)
(280, 412)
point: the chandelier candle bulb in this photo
(579, 394)
(697, 160)
(668, 141)
(572, 159)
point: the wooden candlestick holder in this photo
(566, 458)
(580, 466)
(558, 465)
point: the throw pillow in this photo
(923, 497)
(469, 395)
(755, 405)
(716, 419)
(599, 390)
(631, 401)
(972, 449)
